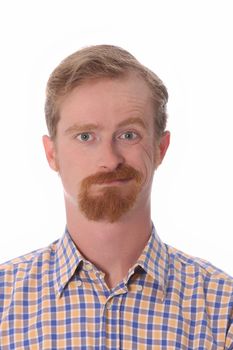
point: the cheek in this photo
(68, 158)
(69, 169)
(147, 163)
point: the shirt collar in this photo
(67, 260)
(153, 260)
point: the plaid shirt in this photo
(55, 299)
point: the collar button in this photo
(87, 267)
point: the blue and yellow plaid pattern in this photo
(54, 299)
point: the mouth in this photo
(114, 182)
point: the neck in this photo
(111, 247)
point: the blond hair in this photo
(100, 61)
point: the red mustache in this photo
(124, 172)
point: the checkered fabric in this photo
(55, 299)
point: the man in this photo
(110, 282)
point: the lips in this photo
(114, 180)
(111, 181)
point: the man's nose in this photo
(110, 157)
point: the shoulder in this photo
(19, 268)
(190, 268)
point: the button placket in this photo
(112, 320)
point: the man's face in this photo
(106, 149)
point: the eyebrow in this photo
(81, 128)
(133, 120)
(90, 126)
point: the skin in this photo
(105, 123)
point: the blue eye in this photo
(84, 137)
(129, 135)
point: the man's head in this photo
(106, 116)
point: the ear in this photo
(50, 152)
(162, 147)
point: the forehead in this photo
(107, 99)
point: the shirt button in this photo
(139, 288)
(108, 305)
(87, 267)
(79, 283)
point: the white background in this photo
(189, 45)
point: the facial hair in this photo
(111, 202)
